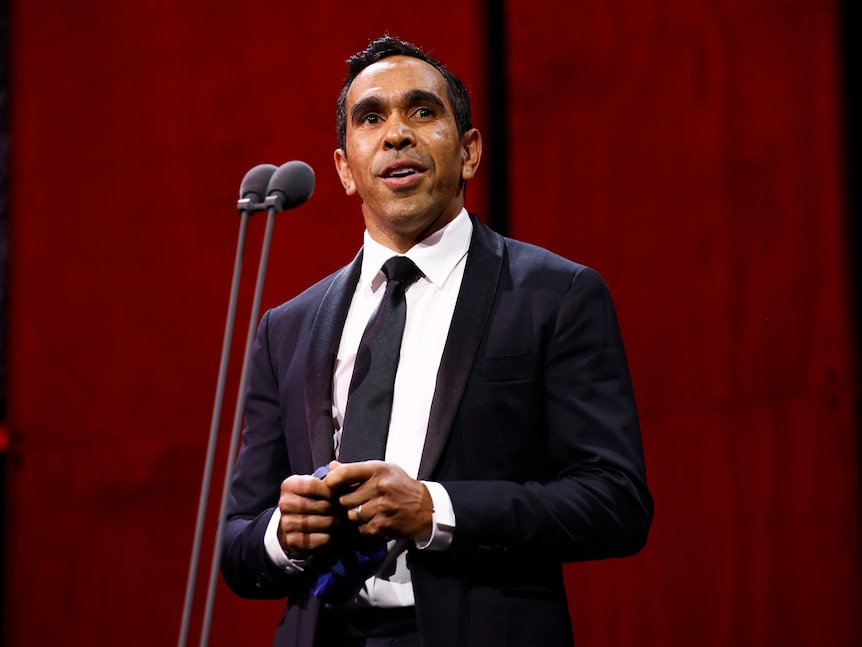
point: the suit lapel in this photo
(322, 351)
(478, 288)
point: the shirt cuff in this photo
(442, 519)
(274, 550)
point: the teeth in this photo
(403, 172)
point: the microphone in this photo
(252, 189)
(289, 186)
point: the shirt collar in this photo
(436, 256)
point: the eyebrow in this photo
(411, 97)
(414, 97)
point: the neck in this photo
(402, 239)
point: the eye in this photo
(424, 113)
(371, 118)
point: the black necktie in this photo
(369, 401)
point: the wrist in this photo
(276, 551)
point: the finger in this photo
(292, 504)
(362, 494)
(300, 535)
(402, 512)
(307, 486)
(360, 514)
(386, 480)
(347, 475)
(300, 545)
(291, 522)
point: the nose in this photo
(398, 133)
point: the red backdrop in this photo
(690, 151)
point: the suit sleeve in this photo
(596, 503)
(261, 466)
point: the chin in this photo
(405, 215)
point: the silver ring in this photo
(359, 513)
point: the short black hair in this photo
(385, 47)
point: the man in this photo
(513, 443)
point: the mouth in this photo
(405, 172)
(402, 173)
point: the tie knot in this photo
(402, 269)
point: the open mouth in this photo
(403, 176)
(403, 172)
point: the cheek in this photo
(360, 151)
(450, 154)
(359, 166)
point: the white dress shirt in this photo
(430, 303)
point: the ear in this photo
(343, 168)
(471, 153)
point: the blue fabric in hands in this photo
(340, 568)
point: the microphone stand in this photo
(286, 187)
(245, 210)
(272, 207)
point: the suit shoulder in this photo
(533, 260)
(305, 303)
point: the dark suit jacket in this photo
(533, 432)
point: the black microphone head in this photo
(253, 185)
(291, 184)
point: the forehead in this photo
(394, 76)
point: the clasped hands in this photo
(379, 497)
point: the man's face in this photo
(403, 153)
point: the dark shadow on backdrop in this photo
(851, 23)
(4, 167)
(497, 115)
(4, 174)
